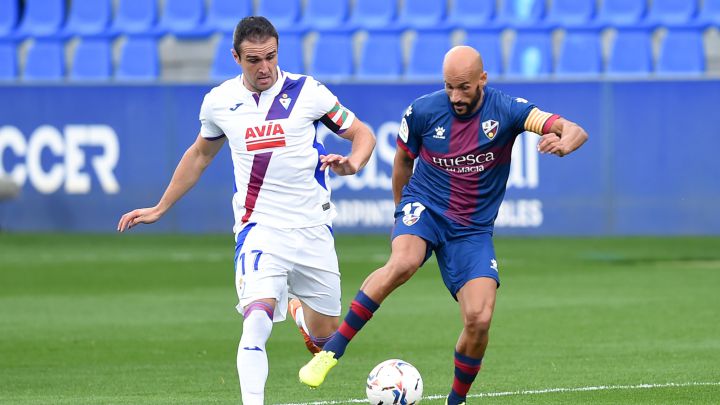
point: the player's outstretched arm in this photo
(363, 143)
(563, 138)
(193, 163)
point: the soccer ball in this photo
(394, 382)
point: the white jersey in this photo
(275, 152)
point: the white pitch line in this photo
(535, 392)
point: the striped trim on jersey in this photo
(540, 122)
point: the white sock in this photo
(252, 362)
(300, 320)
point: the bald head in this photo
(465, 79)
(462, 60)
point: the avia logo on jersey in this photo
(439, 133)
(464, 164)
(270, 135)
(490, 127)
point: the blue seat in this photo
(45, 60)
(620, 13)
(471, 14)
(92, 60)
(381, 56)
(426, 55)
(580, 54)
(709, 14)
(682, 53)
(223, 15)
(290, 54)
(88, 17)
(183, 18)
(488, 44)
(631, 53)
(224, 66)
(8, 61)
(325, 15)
(284, 14)
(42, 18)
(570, 13)
(8, 17)
(333, 56)
(422, 14)
(674, 13)
(139, 59)
(531, 54)
(521, 13)
(370, 14)
(135, 17)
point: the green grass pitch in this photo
(150, 319)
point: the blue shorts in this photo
(463, 253)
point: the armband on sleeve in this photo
(540, 122)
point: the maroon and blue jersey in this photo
(463, 162)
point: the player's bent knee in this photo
(478, 322)
(402, 272)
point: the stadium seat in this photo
(521, 13)
(332, 56)
(183, 18)
(670, 13)
(381, 56)
(8, 61)
(224, 66)
(8, 17)
(325, 15)
(471, 14)
(570, 13)
(370, 14)
(488, 44)
(42, 18)
(223, 15)
(426, 55)
(580, 54)
(92, 60)
(422, 14)
(134, 17)
(709, 14)
(682, 53)
(284, 14)
(45, 60)
(620, 13)
(631, 53)
(88, 17)
(291, 54)
(139, 59)
(531, 54)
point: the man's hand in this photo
(138, 216)
(550, 143)
(341, 165)
(564, 138)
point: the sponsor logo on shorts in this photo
(493, 264)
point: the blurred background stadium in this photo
(100, 98)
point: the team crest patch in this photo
(285, 101)
(490, 128)
(410, 219)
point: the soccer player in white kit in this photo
(282, 208)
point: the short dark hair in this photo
(253, 28)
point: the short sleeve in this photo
(410, 133)
(519, 110)
(328, 109)
(208, 129)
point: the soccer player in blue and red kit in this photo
(462, 138)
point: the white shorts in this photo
(274, 262)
